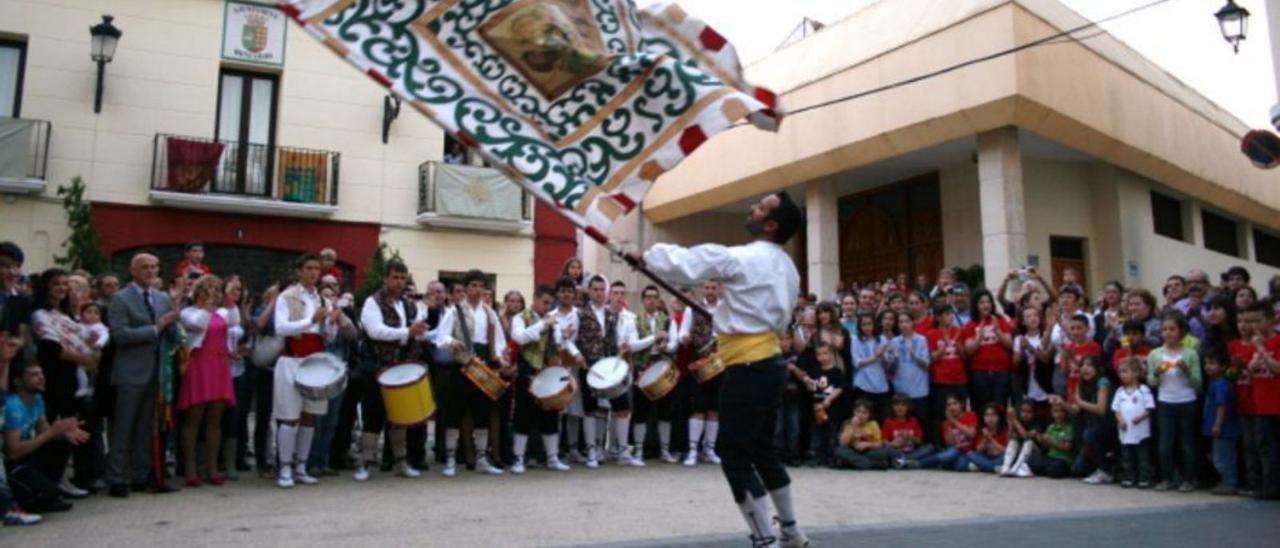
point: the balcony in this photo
(24, 155)
(235, 177)
(472, 198)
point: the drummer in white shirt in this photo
(619, 412)
(392, 323)
(472, 320)
(661, 336)
(537, 332)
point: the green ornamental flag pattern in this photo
(582, 102)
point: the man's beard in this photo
(755, 228)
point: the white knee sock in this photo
(451, 443)
(589, 432)
(602, 425)
(305, 435)
(551, 443)
(519, 444)
(368, 449)
(1028, 449)
(695, 434)
(1010, 457)
(481, 437)
(641, 429)
(756, 512)
(618, 428)
(782, 503)
(664, 435)
(398, 443)
(713, 430)
(286, 440)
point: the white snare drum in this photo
(609, 378)
(554, 388)
(658, 380)
(321, 376)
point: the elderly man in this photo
(139, 316)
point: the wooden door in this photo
(1067, 252)
(891, 230)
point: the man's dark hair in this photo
(1133, 326)
(566, 282)
(305, 258)
(1072, 290)
(394, 266)
(17, 369)
(650, 288)
(97, 280)
(12, 251)
(1262, 306)
(594, 279)
(618, 283)
(474, 275)
(788, 216)
(193, 245)
(542, 290)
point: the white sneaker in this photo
(790, 536)
(483, 465)
(690, 458)
(1105, 478)
(973, 467)
(709, 455)
(404, 470)
(627, 459)
(1098, 477)
(668, 458)
(450, 468)
(553, 463)
(362, 474)
(517, 467)
(71, 491)
(1023, 471)
(301, 476)
(285, 479)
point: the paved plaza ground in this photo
(658, 505)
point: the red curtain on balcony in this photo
(192, 164)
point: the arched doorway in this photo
(891, 230)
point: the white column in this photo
(1004, 217)
(823, 236)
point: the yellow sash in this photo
(740, 348)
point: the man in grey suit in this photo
(138, 316)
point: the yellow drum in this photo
(486, 379)
(707, 368)
(658, 380)
(406, 393)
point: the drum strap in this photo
(465, 322)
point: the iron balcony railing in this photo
(197, 165)
(24, 148)
(461, 190)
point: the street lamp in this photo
(105, 36)
(1234, 21)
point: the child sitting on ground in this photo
(1024, 426)
(1090, 408)
(1221, 423)
(1133, 406)
(1052, 456)
(988, 449)
(904, 433)
(861, 445)
(958, 429)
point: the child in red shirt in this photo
(988, 448)
(959, 430)
(903, 432)
(1240, 353)
(1133, 343)
(1072, 354)
(947, 371)
(1263, 370)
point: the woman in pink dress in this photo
(206, 389)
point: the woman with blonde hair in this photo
(206, 389)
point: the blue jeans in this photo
(326, 424)
(1224, 459)
(1136, 462)
(1177, 424)
(787, 432)
(989, 387)
(1268, 434)
(944, 459)
(984, 462)
(1093, 453)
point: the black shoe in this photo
(118, 490)
(242, 466)
(1267, 495)
(138, 487)
(161, 488)
(53, 506)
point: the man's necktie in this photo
(151, 311)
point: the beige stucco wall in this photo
(510, 258)
(38, 226)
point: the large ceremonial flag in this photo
(584, 103)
